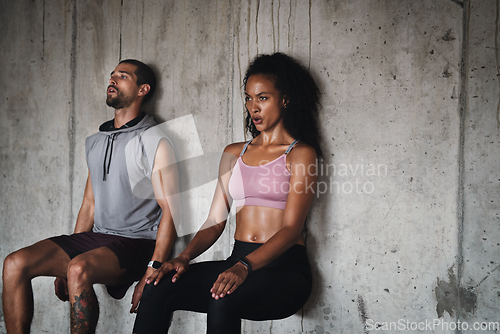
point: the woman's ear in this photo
(285, 102)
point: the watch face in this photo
(156, 264)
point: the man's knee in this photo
(79, 272)
(15, 266)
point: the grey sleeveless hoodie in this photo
(113, 154)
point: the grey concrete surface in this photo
(480, 248)
(405, 230)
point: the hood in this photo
(142, 121)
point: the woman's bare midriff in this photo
(258, 223)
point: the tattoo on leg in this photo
(84, 313)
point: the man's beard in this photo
(119, 101)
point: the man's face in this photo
(123, 89)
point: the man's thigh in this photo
(101, 265)
(44, 258)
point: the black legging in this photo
(275, 291)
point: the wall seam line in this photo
(497, 18)
(72, 111)
(257, 26)
(121, 30)
(230, 100)
(43, 31)
(461, 152)
(310, 36)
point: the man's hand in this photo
(180, 264)
(136, 297)
(61, 289)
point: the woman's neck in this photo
(277, 136)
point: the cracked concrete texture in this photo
(394, 95)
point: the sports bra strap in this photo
(291, 146)
(245, 147)
(286, 152)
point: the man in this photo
(115, 232)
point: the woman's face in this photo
(263, 102)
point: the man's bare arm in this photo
(85, 220)
(165, 181)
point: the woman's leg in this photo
(266, 294)
(191, 292)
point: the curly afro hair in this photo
(295, 83)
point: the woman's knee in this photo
(226, 302)
(148, 293)
(223, 316)
(164, 288)
(154, 314)
(223, 308)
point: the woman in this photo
(267, 275)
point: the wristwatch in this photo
(154, 264)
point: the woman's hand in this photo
(229, 280)
(180, 264)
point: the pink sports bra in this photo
(264, 185)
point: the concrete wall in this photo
(406, 229)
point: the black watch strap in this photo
(246, 263)
(154, 264)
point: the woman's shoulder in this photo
(234, 148)
(302, 152)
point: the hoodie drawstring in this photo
(110, 148)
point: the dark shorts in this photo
(133, 254)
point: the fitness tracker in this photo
(154, 264)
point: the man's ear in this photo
(144, 89)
